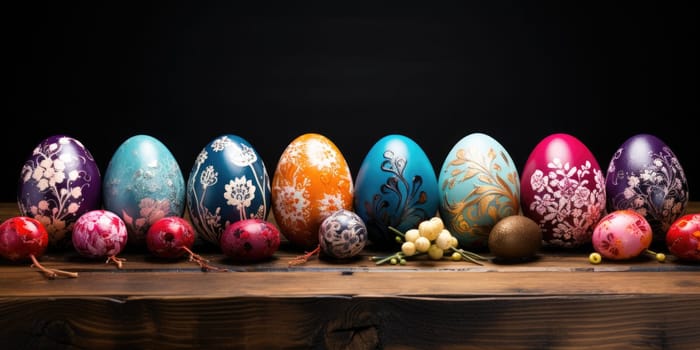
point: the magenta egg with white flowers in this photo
(563, 190)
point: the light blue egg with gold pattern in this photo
(228, 182)
(479, 185)
(395, 186)
(143, 183)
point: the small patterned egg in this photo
(228, 183)
(250, 240)
(59, 182)
(312, 180)
(397, 187)
(99, 233)
(683, 237)
(342, 235)
(622, 234)
(562, 188)
(143, 183)
(479, 185)
(644, 175)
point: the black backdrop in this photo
(188, 72)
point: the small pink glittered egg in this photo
(99, 233)
(622, 234)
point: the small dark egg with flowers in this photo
(342, 235)
(250, 240)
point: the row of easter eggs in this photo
(561, 187)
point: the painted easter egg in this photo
(563, 189)
(99, 233)
(622, 234)
(59, 181)
(228, 182)
(683, 237)
(312, 180)
(143, 183)
(645, 175)
(479, 185)
(250, 240)
(342, 235)
(396, 186)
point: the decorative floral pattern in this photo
(566, 202)
(151, 210)
(312, 181)
(244, 194)
(658, 191)
(58, 184)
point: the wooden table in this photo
(557, 301)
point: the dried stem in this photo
(203, 263)
(305, 257)
(51, 273)
(118, 261)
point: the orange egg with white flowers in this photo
(312, 181)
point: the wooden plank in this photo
(556, 322)
(131, 285)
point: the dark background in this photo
(189, 72)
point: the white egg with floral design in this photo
(59, 182)
(143, 183)
(312, 181)
(228, 183)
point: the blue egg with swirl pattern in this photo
(396, 186)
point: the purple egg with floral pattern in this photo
(563, 190)
(342, 235)
(143, 184)
(228, 183)
(645, 175)
(58, 183)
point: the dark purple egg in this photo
(58, 183)
(644, 175)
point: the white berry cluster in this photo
(431, 238)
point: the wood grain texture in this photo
(556, 301)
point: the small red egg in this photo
(21, 237)
(683, 237)
(170, 237)
(622, 234)
(250, 240)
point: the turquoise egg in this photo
(143, 183)
(228, 183)
(479, 185)
(395, 186)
